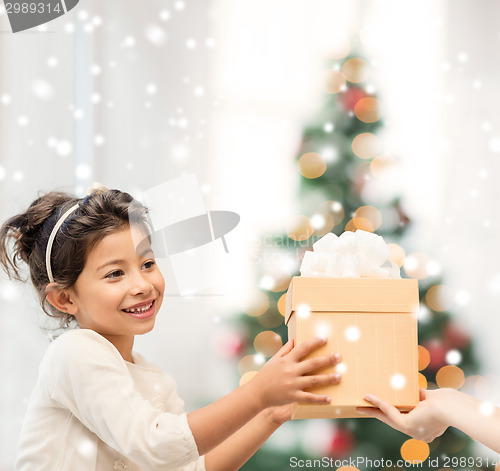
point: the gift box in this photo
(372, 323)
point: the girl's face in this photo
(120, 289)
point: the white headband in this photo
(96, 187)
(53, 236)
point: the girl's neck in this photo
(124, 344)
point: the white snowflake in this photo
(42, 89)
(164, 15)
(352, 333)
(64, 148)
(398, 381)
(156, 35)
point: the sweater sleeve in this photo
(87, 375)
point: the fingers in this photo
(310, 398)
(388, 410)
(372, 412)
(301, 350)
(286, 349)
(307, 382)
(306, 366)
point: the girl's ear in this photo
(60, 299)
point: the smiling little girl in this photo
(98, 404)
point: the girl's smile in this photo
(141, 310)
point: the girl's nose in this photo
(141, 284)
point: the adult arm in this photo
(439, 409)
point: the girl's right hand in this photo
(286, 376)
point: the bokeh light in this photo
(367, 218)
(312, 165)
(424, 358)
(450, 376)
(340, 49)
(356, 70)
(439, 298)
(299, 228)
(367, 110)
(333, 81)
(422, 381)
(282, 304)
(366, 145)
(228, 342)
(396, 254)
(250, 363)
(271, 319)
(280, 277)
(322, 223)
(267, 343)
(360, 176)
(259, 304)
(416, 265)
(382, 164)
(362, 224)
(332, 211)
(350, 226)
(267, 282)
(477, 386)
(414, 450)
(453, 357)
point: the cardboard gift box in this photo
(372, 323)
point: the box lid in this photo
(352, 294)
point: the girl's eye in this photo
(114, 274)
(149, 263)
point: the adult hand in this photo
(425, 422)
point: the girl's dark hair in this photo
(99, 214)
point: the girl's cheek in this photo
(161, 283)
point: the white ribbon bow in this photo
(352, 255)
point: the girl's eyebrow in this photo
(118, 261)
(111, 262)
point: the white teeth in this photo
(144, 309)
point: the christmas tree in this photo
(342, 167)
